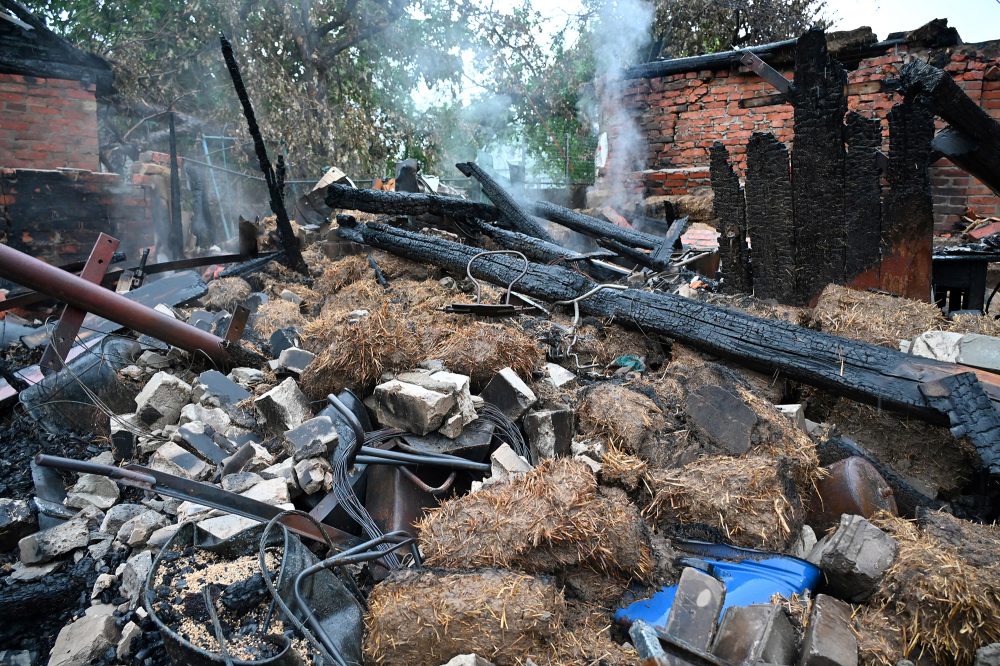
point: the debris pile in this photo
(437, 436)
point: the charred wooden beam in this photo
(769, 218)
(511, 211)
(730, 207)
(863, 208)
(970, 413)
(846, 367)
(970, 155)
(645, 259)
(950, 102)
(818, 167)
(380, 202)
(595, 228)
(543, 251)
(289, 243)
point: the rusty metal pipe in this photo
(72, 290)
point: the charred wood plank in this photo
(729, 206)
(345, 197)
(818, 166)
(950, 102)
(846, 367)
(50, 595)
(595, 228)
(769, 218)
(289, 243)
(863, 209)
(512, 212)
(970, 413)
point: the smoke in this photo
(620, 32)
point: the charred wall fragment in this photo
(769, 218)
(862, 201)
(819, 219)
(818, 166)
(730, 208)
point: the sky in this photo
(976, 20)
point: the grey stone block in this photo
(51, 543)
(695, 609)
(284, 407)
(17, 520)
(988, 655)
(509, 394)
(755, 634)
(411, 407)
(172, 459)
(84, 640)
(550, 432)
(160, 401)
(829, 640)
(856, 557)
(313, 438)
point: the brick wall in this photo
(47, 123)
(56, 215)
(683, 114)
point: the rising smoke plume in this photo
(621, 31)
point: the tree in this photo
(330, 79)
(693, 27)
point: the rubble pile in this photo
(595, 476)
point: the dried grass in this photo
(318, 333)
(970, 323)
(226, 293)
(276, 314)
(625, 470)
(549, 519)
(876, 318)
(619, 416)
(943, 590)
(426, 617)
(357, 354)
(880, 639)
(482, 349)
(748, 499)
(341, 273)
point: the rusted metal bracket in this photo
(766, 72)
(236, 325)
(64, 334)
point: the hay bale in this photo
(481, 350)
(876, 318)
(550, 519)
(226, 293)
(426, 617)
(276, 314)
(341, 273)
(619, 416)
(358, 353)
(751, 500)
(943, 590)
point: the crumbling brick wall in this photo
(683, 114)
(56, 215)
(47, 123)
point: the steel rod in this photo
(72, 290)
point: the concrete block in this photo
(240, 481)
(118, 515)
(856, 557)
(696, 608)
(828, 639)
(313, 438)
(215, 417)
(550, 433)
(314, 475)
(85, 640)
(509, 394)
(506, 462)
(756, 634)
(160, 401)
(558, 376)
(410, 407)
(172, 459)
(988, 655)
(292, 361)
(284, 407)
(51, 543)
(246, 376)
(92, 490)
(135, 532)
(797, 413)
